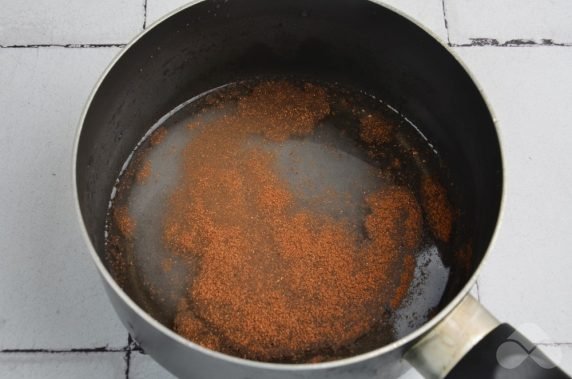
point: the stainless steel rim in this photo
(281, 366)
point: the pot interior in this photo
(358, 44)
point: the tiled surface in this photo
(51, 298)
(509, 21)
(143, 367)
(532, 253)
(61, 365)
(63, 22)
(159, 8)
(560, 354)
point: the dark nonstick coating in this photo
(357, 43)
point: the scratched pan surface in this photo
(357, 43)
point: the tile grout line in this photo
(127, 359)
(446, 22)
(127, 356)
(518, 42)
(475, 42)
(554, 344)
(103, 349)
(144, 14)
(65, 46)
(129, 349)
(133, 345)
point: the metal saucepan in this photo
(213, 42)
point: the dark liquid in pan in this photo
(333, 170)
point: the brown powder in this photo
(407, 273)
(167, 264)
(277, 281)
(187, 324)
(157, 136)
(395, 203)
(280, 110)
(124, 222)
(120, 240)
(396, 221)
(144, 173)
(119, 265)
(437, 208)
(375, 128)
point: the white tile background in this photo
(51, 54)
(26, 22)
(509, 20)
(69, 365)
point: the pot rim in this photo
(417, 333)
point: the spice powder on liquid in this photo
(277, 281)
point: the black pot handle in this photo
(471, 344)
(504, 353)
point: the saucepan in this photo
(365, 45)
